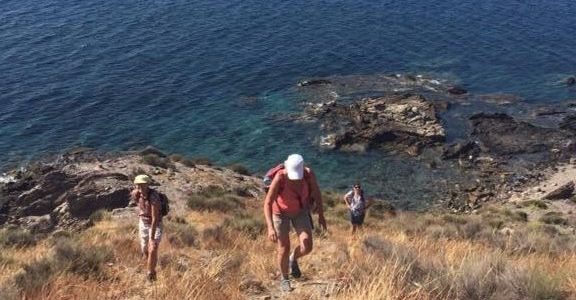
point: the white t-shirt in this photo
(357, 202)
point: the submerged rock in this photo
(503, 135)
(314, 82)
(457, 90)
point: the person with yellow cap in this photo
(150, 221)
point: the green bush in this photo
(181, 234)
(553, 218)
(240, 169)
(534, 203)
(17, 238)
(74, 258)
(201, 161)
(250, 225)
(223, 203)
(380, 209)
(157, 161)
(35, 274)
(100, 215)
(183, 160)
(176, 157)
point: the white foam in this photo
(7, 178)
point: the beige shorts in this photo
(301, 222)
(144, 230)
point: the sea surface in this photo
(208, 78)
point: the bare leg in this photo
(152, 257)
(306, 244)
(283, 253)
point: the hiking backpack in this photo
(165, 206)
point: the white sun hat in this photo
(294, 166)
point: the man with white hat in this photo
(293, 195)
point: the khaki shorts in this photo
(144, 230)
(301, 222)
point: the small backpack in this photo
(165, 207)
(267, 179)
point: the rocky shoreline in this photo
(498, 154)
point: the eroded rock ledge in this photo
(405, 122)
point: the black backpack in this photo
(165, 207)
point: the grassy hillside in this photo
(217, 249)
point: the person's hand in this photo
(322, 222)
(272, 236)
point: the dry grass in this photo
(225, 255)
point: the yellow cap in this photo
(142, 179)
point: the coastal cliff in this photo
(67, 231)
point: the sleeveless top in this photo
(291, 199)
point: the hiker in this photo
(150, 225)
(293, 195)
(357, 204)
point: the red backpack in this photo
(267, 179)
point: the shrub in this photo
(35, 274)
(381, 208)
(181, 234)
(176, 157)
(518, 216)
(553, 218)
(214, 236)
(223, 204)
(535, 203)
(254, 227)
(17, 238)
(135, 172)
(331, 199)
(182, 159)
(201, 161)
(99, 215)
(71, 257)
(456, 219)
(157, 161)
(240, 169)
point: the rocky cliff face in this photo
(65, 193)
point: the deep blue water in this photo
(202, 78)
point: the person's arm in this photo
(347, 197)
(133, 197)
(270, 198)
(317, 196)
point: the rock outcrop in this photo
(406, 122)
(66, 193)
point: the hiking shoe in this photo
(294, 268)
(151, 276)
(285, 285)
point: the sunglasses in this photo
(356, 186)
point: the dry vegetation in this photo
(219, 251)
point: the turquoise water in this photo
(206, 78)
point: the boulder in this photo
(563, 192)
(570, 81)
(457, 90)
(38, 224)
